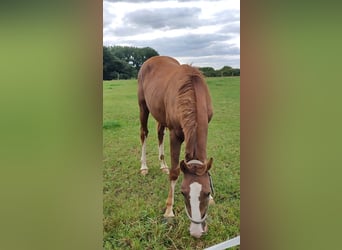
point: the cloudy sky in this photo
(202, 33)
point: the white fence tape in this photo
(226, 244)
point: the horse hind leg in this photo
(163, 165)
(144, 112)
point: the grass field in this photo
(133, 205)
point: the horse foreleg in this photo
(175, 145)
(170, 200)
(163, 165)
(174, 173)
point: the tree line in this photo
(225, 71)
(124, 62)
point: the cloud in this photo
(191, 45)
(226, 16)
(107, 17)
(206, 33)
(232, 28)
(166, 18)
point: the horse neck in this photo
(195, 143)
(196, 137)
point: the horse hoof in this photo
(169, 213)
(211, 201)
(144, 172)
(165, 170)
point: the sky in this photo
(201, 33)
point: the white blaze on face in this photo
(196, 230)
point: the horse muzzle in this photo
(197, 228)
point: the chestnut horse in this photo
(178, 98)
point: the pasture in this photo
(133, 205)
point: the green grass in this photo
(133, 205)
(110, 124)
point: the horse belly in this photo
(156, 107)
(159, 114)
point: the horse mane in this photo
(187, 108)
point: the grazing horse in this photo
(178, 98)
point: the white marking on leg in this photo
(169, 209)
(161, 150)
(163, 165)
(143, 168)
(196, 230)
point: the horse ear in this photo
(209, 163)
(183, 166)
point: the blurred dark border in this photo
(290, 125)
(51, 125)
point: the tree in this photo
(108, 64)
(236, 72)
(114, 67)
(144, 54)
(208, 71)
(133, 56)
(225, 71)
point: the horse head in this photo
(196, 189)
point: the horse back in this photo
(160, 81)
